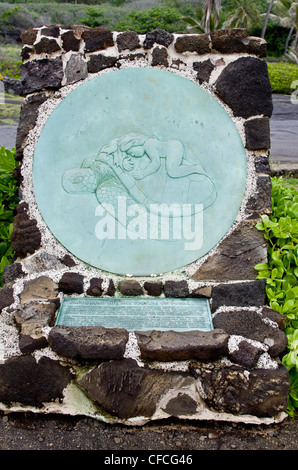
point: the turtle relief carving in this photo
(143, 171)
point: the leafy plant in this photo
(8, 204)
(286, 12)
(242, 14)
(145, 21)
(95, 18)
(17, 17)
(281, 272)
(10, 60)
(281, 76)
(206, 18)
(198, 21)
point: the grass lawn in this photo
(10, 109)
(10, 60)
(290, 182)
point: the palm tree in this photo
(212, 7)
(267, 18)
(286, 13)
(206, 19)
(242, 14)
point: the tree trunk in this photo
(295, 40)
(267, 18)
(288, 39)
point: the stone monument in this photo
(143, 172)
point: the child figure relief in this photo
(138, 145)
(131, 158)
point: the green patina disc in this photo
(139, 171)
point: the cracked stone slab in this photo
(126, 390)
(236, 256)
(252, 325)
(174, 346)
(84, 342)
(31, 319)
(41, 288)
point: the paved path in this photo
(8, 136)
(284, 130)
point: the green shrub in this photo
(11, 68)
(281, 273)
(8, 204)
(168, 19)
(94, 18)
(281, 76)
(17, 18)
(10, 60)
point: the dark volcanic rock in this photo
(111, 288)
(260, 201)
(199, 43)
(6, 297)
(153, 288)
(29, 36)
(239, 294)
(47, 46)
(70, 42)
(178, 346)
(12, 272)
(31, 318)
(245, 87)
(26, 237)
(99, 62)
(41, 74)
(53, 31)
(128, 40)
(72, 283)
(130, 287)
(160, 56)
(31, 383)
(176, 289)
(246, 354)
(88, 342)
(126, 390)
(236, 256)
(257, 133)
(237, 40)
(97, 39)
(159, 36)
(204, 70)
(277, 317)
(28, 117)
(262, 164)
(252, 325)
(262, 392)
(95, 287)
